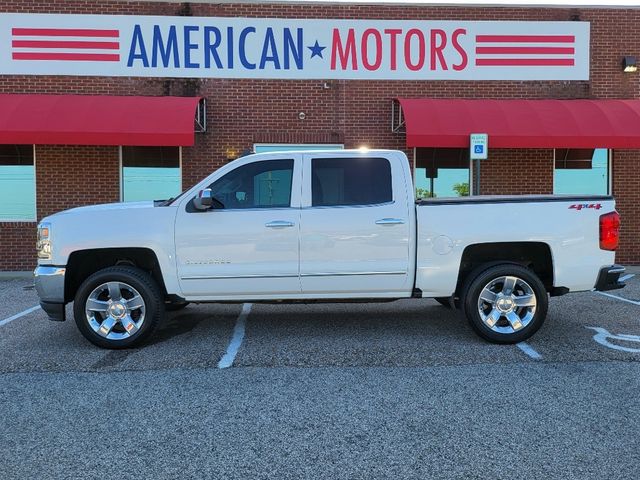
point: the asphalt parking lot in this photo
(403, 390)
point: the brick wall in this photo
(243, 112)
(626, 188)
(517, 172)
(17, 246)
(69, 176)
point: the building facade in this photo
(257, 95)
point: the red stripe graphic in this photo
(526, 38)
(106, 57)
(522, 62)
(65, 32)
(64, 44)
(525, 50)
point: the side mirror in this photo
(204, 200)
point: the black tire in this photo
(174, 306)
(444, 301)
(474, 287)
(139, 280)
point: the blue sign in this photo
(478, 143)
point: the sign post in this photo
(478, 150)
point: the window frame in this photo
(472, 184)
(254, 208)
(121, 172)
(609, 173)
(35, 191)
(308, 200)
(185, 202)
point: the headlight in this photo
(43, 245)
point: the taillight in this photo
(609, 231)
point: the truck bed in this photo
(565, 226)
(513, 199)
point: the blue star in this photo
(316, 49)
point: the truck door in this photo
(354, 227)
(248, 245)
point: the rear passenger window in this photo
(350, 181)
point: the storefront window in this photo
(581, 171)
(150, 173)
(17, 183)
(286, 147)
(442, 172)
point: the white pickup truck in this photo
(322, 226)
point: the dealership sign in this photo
(222, 47)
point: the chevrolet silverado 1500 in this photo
(322, 226)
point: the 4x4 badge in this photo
(580, 206)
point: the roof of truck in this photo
(342, 151)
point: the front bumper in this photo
(49, 282)
(609, 278)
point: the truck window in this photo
(350, 181)
(265, 184)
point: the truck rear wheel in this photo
(118, 307)
(505, 303)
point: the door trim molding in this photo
(345, 274)
(227, 277)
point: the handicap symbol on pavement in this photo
(602, 337)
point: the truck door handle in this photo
(390, 221)
(279, 224)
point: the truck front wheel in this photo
(505, 303)
(118, 307)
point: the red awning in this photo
(523, 123)
(97, 120)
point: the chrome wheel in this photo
(507, 304)
(115, 310)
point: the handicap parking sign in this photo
(478, 146)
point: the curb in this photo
(16, 275)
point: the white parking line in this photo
(18, 315)
(529, 350)
(627, 277)
(618, 298)
(236, 339)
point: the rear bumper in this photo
(609, 278)
(49, 282)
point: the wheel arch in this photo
(83, 263)
(536, 256)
